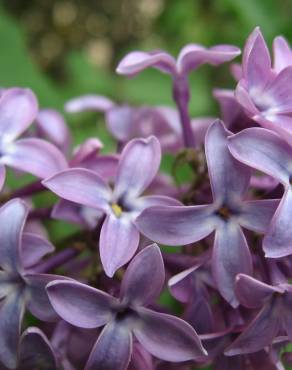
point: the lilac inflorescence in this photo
(158, 273)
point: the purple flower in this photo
(228, 213)
(119, 238)
(265, 92)
(267, 152)
(18, 109)
(274, 316)
(163, 335)
(190, 57)
(20, 286)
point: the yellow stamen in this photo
(117, 209)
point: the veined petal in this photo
(80, 186)
(139, 163)
(177, 225)
(278, 239)
(35, 156)
(167, 337)
(88, 149)
(181, 285)
(79, 304)
(259, 334)
(113, 349)
(244, 99)
(155, 200)
(229, 178)
(136, 61)
(253, 293)
(18, 109)
(33, 249)
(231, 256)
(119, 239)
(36, 351)
(263, 150)
(282, 53)
(256, 215)
(144, 277)
(12, 218)
(89, 103)
(11, 313)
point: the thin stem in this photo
(25, 191)
(57, 260)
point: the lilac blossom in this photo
(21, 287)
(18, 109)
(127, 315)
(119, 237)
(229, 212)
(190, 58)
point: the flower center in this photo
(117, 209)
(224, 212)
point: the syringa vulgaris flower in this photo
(226, 215)
(21, 286)
(164, 336)
(138, 165)
(18, 110)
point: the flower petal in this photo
(119, 239)
(282, 53)
(167, 337)
(18, 109)
(36, 156)
(263, 150)
(155, 200)
(89, 103)
(231, 256)
(256, 215)
(80, 186)
(2, 176)
(253, 293)
(144, 277)
(36, 351)
(12, 218)
(136, 61)
(177, 225)
(278, 239)
(11, 313)
(139, 163)
(121, 122)
(259, 334)
(113, 349)
(33, 249)
(229, 178)
(79, 304)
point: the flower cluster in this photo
(114, 295)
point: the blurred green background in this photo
(65, 48)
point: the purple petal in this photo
(79, 304)
(119, 239)
(11, 313)
(52, 125)
(36, 351)
(278, 239)
(193, 55)
(136, 61)
(88, 103)
(244, 99)
(104, 165)
(177, 225)
(2, 176)
(80, 186)
(253, 293)
(112, 350)
(167, 337)
(18, 109)
(35, 156)
(229, 178)
(141, 359)
(282, 53)
(229, 107)
(256, 61)
(259, 334)
(287, 315)
(121, 122)
(37, 298)
(181, 285)
(144, 277)
(256, 215)
(89, 148)
(33, 249)
(155, 200)
(263, 150)
(231, 256)
(139, 163)
(12, 218)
